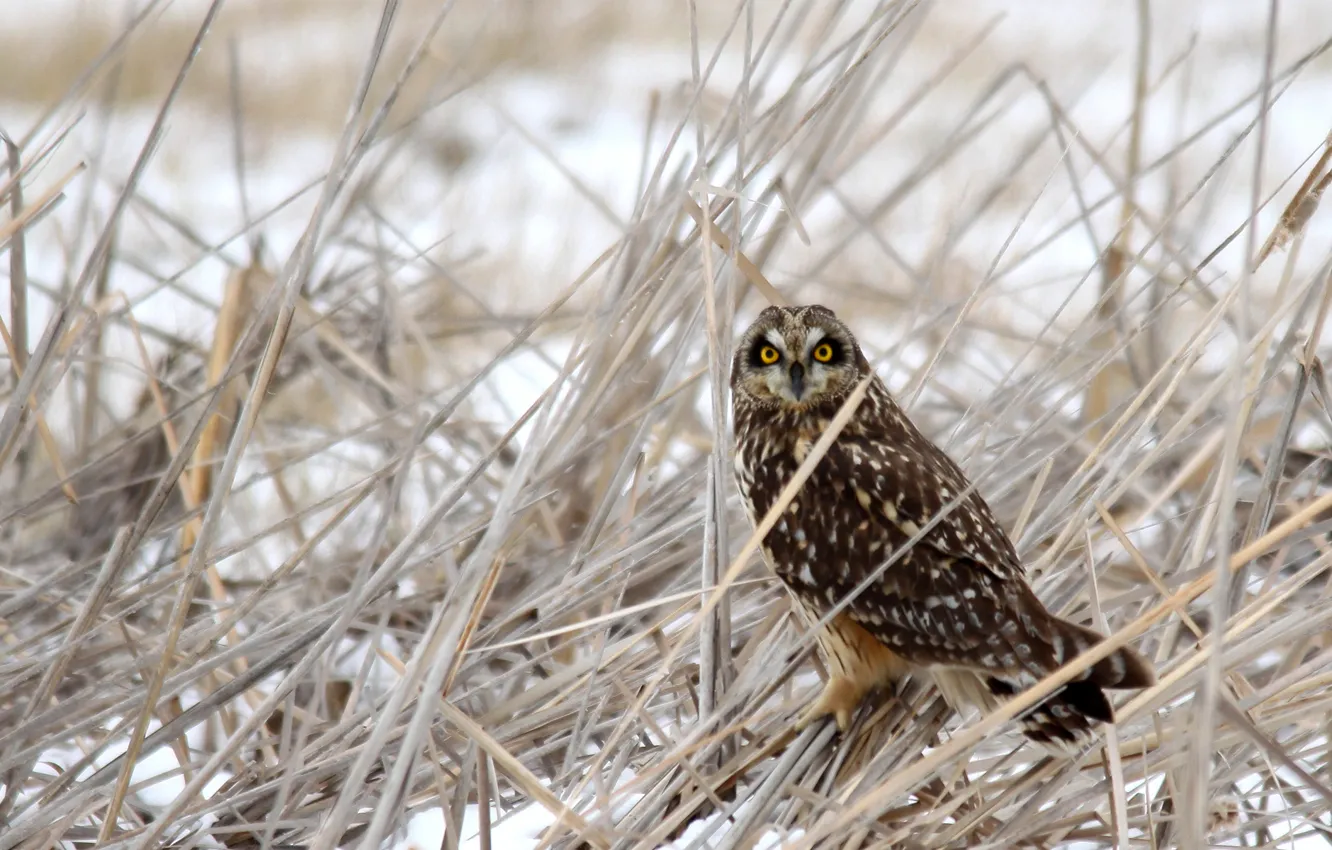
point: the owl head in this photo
(796, 358)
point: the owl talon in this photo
(840, 698)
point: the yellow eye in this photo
(769, 355)
(823, 353)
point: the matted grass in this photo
(355, 474)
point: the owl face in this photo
(796, 358)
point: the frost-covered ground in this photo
(535, 169)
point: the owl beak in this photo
(797, 380)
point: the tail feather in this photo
(1067, 719)
(1125, 668)
(1064, 722)
(1058, 642)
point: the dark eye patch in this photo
(837, 349)
(756, 353)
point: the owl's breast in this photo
(823, 543)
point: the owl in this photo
(956, 605)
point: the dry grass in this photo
(309, 562)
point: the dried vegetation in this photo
(302, 561)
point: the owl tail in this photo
(1066, 722)
(1068, 718)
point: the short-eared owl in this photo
(957, 604)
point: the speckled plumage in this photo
(957, 603)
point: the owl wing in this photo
(905, 483)
(958, 596)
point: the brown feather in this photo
(958, 598)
